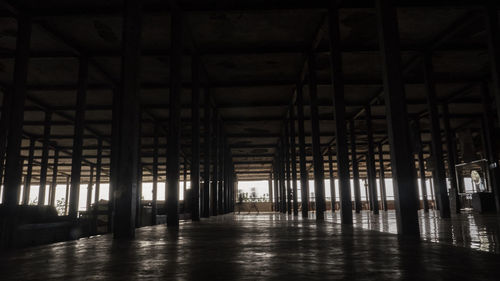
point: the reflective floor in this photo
(469, 229)
(250, 247)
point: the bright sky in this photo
(261, 189)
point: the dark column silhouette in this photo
(76, 161)
(439, 173)
(45, 158)
(370, 162)
(489, 140)
(195, 140)
(382, 176)
(304, 181)
(156, 146)
(207, 156)
(319, 184)
(332, 178)
(174, 130)
(90, 187)
(53, 184)
(13, 169)
(293, 159)
(402, 162)
(215, 161)
(286, 140)
(355, 169)
(98, 171)
(4, 128)
(450, 144)
(341, 147)
(29, 173)
(125, 190)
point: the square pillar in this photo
(304, 181)
(195, 140)
(293, 160)
(319, 184)
(402, 162)
(355, 169)
(174, 129)
(439, 172)
(127, 134)
(76, 161)
(45, 158)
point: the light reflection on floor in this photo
(469, 229)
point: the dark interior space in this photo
(228, 140)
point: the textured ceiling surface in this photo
(252, 55)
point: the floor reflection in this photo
(271, 246)
(469, 229)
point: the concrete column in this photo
(195, 139)
(382, 176)
(53, 184)
(29, 172)
(450, 144)
(76, 161)
(215, 161)
(402, 162)
(490, 137)
(370, 162)
(421, 168)
(4, 128)
(304, 181)
(281, 165)
(184, 183)
(138, 212)
(276, 186)
(227, 172)
(207, 156)
(115, 152)
(66, 198)
(12, 179)
(45, 158)
(355, 169)
(293, 157)
(90, 187)
(332, 178)
(288, 178)
(319, 184)
(174, 130)
(220, 197)
(98, 170)
(154, 202)
(128, 113)
(439, 173)
(270, 188)
(341, 147)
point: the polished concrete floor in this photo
(468, 229)
(251, 247)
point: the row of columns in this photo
(212, 196)
(399, 139)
